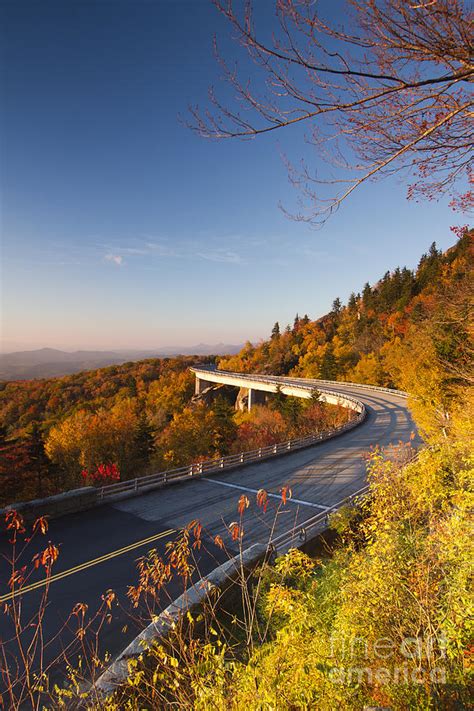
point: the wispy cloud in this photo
(131, 250)
(163, 250)
(223, 256)
(116, 253)
(314, 253)
(116, 259)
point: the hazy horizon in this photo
(19, 347)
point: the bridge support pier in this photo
(201, 385)
(255, 397)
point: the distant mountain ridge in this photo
(52, 362)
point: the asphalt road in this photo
(99, 548)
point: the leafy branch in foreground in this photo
(30, 652)
(390, 93)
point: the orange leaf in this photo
(16, 579)
(235, 531)
(108, 598)
(80, 608)
(219, 542)
(262, 499)
(49, 556)
(40, 524)
(14, 521)
(197, 531)
(243, 504)
(285, 494)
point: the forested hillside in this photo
(410, 330)
(53, 429)
(51, 400)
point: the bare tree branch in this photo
(393, 93)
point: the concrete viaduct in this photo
(334, 393)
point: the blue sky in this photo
(122, 229)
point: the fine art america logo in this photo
(411, 660)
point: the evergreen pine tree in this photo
(336, 307)
(328, 370)
(225, 427)
(292, 407)
(38, 458)
(144, 439)
(278, 400)
(367, 295)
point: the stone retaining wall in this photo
(55, 506)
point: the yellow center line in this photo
(84, 566)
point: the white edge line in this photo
(273, 496)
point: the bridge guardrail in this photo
(306, 387)
(308, 529)
(234, 460)
(276, 378)
(230, 461)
